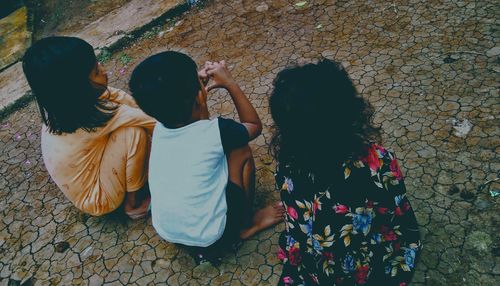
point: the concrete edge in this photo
(112, 48)
(137, 32)
(16, 105)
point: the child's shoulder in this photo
(119, 96)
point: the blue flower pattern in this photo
(362, 222)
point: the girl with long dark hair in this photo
(95, 141)
(348, 221)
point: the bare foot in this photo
(139, 211)
(264, 218)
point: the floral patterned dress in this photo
(355, 228)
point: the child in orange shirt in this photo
(95, 141)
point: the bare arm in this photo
(221, 77)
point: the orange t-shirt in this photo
(74, 160)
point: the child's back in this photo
(349, 221)
(94, 139)
(188, 176)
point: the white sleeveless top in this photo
(188, 175)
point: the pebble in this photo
(449, 60)
(262, 7)
(493, 52)
(61, 246)
(453, 190)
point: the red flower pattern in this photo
(382, 210)
(294, 256)
(387, 233)
(361, 274)
(396, 171)
(281, 254)
(372, 159)
(341, 209)
(292, 213)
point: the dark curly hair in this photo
(320, 121)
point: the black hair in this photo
(58, 70)
(165, 86)
(320, 121)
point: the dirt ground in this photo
(430, 69)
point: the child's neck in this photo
(194, 117)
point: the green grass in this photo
(151, 33)
(104, 56)
(125, 59)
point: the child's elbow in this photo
(254, 130)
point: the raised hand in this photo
(219, 74)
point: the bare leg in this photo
(242, 173)
(137, 203)
(124, 170)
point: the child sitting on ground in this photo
(95, 140)
(349, 221)
(202, 174)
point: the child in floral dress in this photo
(349, 221)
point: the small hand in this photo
(202, 74)
(219, 74)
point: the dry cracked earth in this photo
(430, 68)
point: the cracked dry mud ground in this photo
(422, 64)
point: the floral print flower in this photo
(398, 211)
(328, 256)
(287, 280)
(361, 274)
(382, 210)
(388, 269)
(396, 171)
(288, 185)
(307, 227)
(387, 233)
(349, 264)
(340, 209)
(281, 254)
(314, 278)
(362, 220)
(290, 241)
(316, 204)
(373, 159)
(398, 200)
(316, 244)
(376, 238)
(294, 256)
(292, 213)
(406, 206)
(410, 257)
